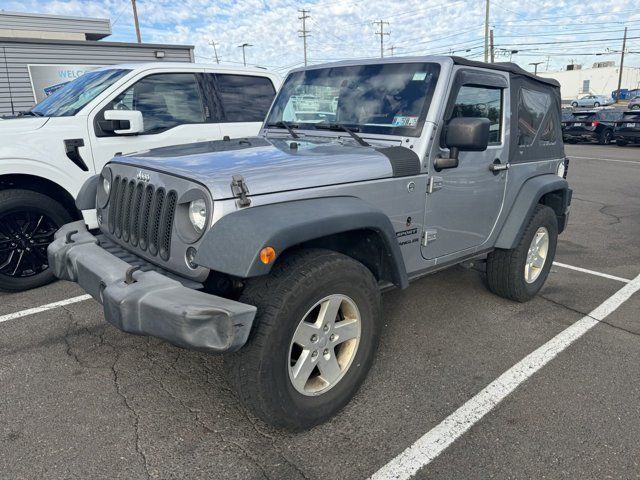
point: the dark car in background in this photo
(627, 129)
(590, 126)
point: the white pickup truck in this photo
(47, 153)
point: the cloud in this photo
(345, 29)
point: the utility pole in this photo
(548, 58)
(535, 65)
(381, 23)
(392, 48)
(491, 45)
(624, 45)
(215, 50)
(135, 19)
(304, 33)
(486, 33)
(243, 46)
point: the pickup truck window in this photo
(245, 98)
(71, 98)
(165, 100)
(483, 102)
(388, 98)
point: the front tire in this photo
(605, 137)
(519, 273)
(314, 339)
(596, 104)
(28, 221)
(574, 104)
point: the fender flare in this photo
(233, 244)
(528, 197)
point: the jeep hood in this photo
(267, 165)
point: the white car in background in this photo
(47, 153)
(592, 101)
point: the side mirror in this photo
(466, 134)
(125, 122)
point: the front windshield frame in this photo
(298, 84)
(77, 94)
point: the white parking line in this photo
(592, 272)
(434, 442)
(605, 159)
(43, 308)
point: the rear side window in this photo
(484, 102)
(533, 106)
(244, 98)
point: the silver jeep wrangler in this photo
(274, 249)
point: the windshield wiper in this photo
(340, 126)
(29, 113)
(286, 125)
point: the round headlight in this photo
(198, 214)
(106, 185)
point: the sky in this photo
(554, 32)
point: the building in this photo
(39, 53)
(601, 79)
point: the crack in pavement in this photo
(604, 322)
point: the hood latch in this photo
(240, 190)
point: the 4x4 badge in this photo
(143, 177)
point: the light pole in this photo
(244, 58)
(535, 65)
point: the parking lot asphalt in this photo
(79, 399)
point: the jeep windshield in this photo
(387, 98)
(71, 98)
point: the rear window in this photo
(533, 115)
(583, 117)
(631, 116)
(245, 98)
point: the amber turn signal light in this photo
(267, 255)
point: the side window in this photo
(244, 98)
(532, 108)
(485, 102)
(165, 100)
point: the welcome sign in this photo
(46, 79)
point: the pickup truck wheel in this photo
(28, 221)
(314, 340)
(519, 273)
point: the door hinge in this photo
(429, 236)
(240, 191)
(435, 183)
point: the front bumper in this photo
(149, 303)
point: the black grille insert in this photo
(142, 216)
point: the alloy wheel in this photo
(537, 255)
(324, 345)
(24, 237)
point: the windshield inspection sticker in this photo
(405, 121)
(419, 76)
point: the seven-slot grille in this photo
(142, 216)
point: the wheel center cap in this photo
(322, 342)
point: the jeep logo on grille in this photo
(143, 177)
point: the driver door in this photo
(464, 202)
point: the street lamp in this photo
(535, 64)
(243, 46)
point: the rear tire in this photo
(635, 107)
(28, 221)
(289, 300)
(507, 269)
(596, 104)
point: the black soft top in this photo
(504, 67)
